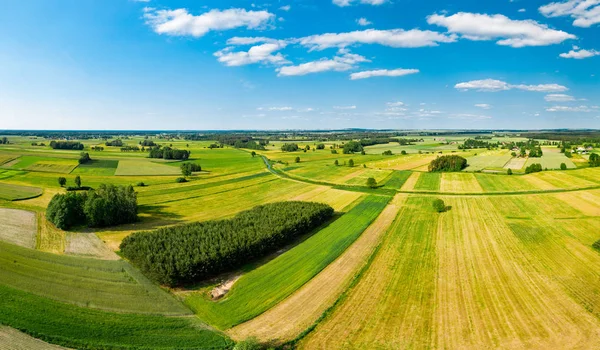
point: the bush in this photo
(289, 147)
(403, 152)
(350, 163)
(387, 153)
(248, 344)
(448, 164)
(439, 205)
(320, 146)
(533, 168)
(62, 181)
(563, 166)
(188, 253)
(188, 168)
(140, 184)
(180, 180)
(333, 151)
(297, 160)
(371, 182)
(107, 206)
(84, 157)
(594, 160)
(509, 172)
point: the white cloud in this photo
(363, 22)
(465, 116)
(341, 63)
(382, 73)
(584, 109)
(559, 98)
(285, 8)
(280, 109)
(256, 54)
(522, 10)
(343, 3)
(580, 54)
(508, 32)
(236, 40)
(483, 106)
(392, 38)
(181, 23)
(492, 85)
(585, 12)
(395, 104)
(344, 107)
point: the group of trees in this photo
(84, 157)
(147, 143)
(387, 153)
(188, 253)
(533, 168)
(448, 164)
(106, 206)
(594, 160)
(169, 153)
(4, 141)
(115, 143)
(97, 148)
(188, 168)
(289, 147)
(352, 147)
(66, 145)
(242, 141)
(478, 143)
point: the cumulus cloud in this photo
(344, 3)
(507, 32)
(559, 98)
(585, 12)
(256, 54)
(285, 8)
(492, 85)
(483, 106)
(363, 22)
(584, 109)
(397, 38)
(395, 104)
(340, 63)
(382, 73)
(522, 10)
(580, 54)
(180, 22)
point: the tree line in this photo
(108, 205)
(192, 252)
(448, 164)
(169, 153)
(66, 145)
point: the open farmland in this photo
(387, 272)
(552, 159)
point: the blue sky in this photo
(297, 64)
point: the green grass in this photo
(488, 159)
(397, 179)
(44, 164)
(503, 183)
(429, 182)
(264, 287)
(145, 167)
(109, 285)
(16, 192)
(97, 167)
(551, 159)
(82, 328)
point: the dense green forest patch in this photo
(192, 252)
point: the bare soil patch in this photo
(18, 227)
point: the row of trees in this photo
(188, 168)
(533, 168)
(478, 143)
(169, 153)
(115, 143)
(289, 147)
(66, 145)
(448, 164)
(188, 253)
(106, 206)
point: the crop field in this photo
(508, 264)
(428, 182)
(552, 159)
(144, 168)
(97, 167)
(262, 288)
(12, 192)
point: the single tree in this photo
(62, 181)
(186, 170)
(350, 163)
(403, 152)
(336, 162)
(563, 166)
(78, 181)
(371, 182)
(297, 160)
(253, 154)
(509, 172)
(514, 154)
(439, 205)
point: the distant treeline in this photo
(115, 143)
(107, 206)
(169, 153)
(66, 145)
(448, 164)
(574, 137)
(192, 252)
(478, 143)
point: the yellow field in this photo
(409, 185)
(503, 272)
(289, 318)
(459, 183)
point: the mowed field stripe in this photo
(296, 313)
(409, 185)
(392, 304)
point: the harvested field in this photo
(289, 318)
(459, 183)
(87, 244)
(18, 227)
(12, 339)
(516, 163)
(411, 182)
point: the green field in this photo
(428, 182)
(397, 179)
(97, 167)
(551, 159)
(145, 168)
(262, 288)
(12, 192)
